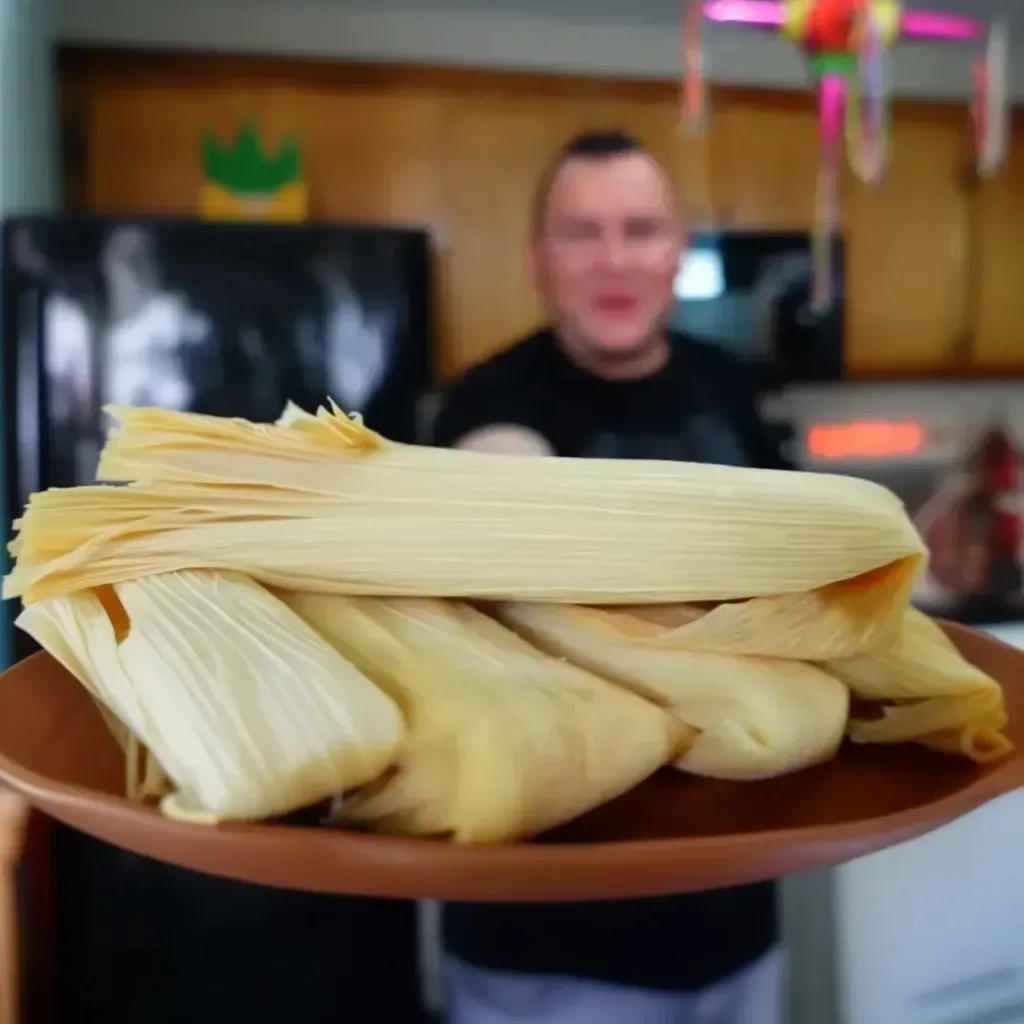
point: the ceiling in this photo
(659, 12)
(621, 38)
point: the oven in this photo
(953, 453)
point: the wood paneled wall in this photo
(932, 257)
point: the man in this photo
(608, 380)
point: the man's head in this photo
(605, 245)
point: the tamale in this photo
(757, 717)
(248, 711)
(322, 504)
(503, 741)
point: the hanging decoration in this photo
(847, 43)
(244, 181)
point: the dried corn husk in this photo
(503, 741)
(932, 694)
(757, 717)
(325, 505)
(749, 603)
(247, 710)
(925, 691)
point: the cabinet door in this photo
(907, 256)
(998, 342)
(370, 152)
(764, 160)
(495, 148)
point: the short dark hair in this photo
(589, 145)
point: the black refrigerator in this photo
(230, 320)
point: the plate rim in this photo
(438, 855)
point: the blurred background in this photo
(423, 129)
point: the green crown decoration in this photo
(245, 168)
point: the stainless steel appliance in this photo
(953, 453)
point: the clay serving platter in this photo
(672, 834)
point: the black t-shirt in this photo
(701, 407)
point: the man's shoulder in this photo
(510, 364)
(497, 390)
(707, 356)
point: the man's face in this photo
(607, 251)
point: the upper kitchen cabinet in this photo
(907, 249)
(496, 145)
(998, 246)
(906, 239)
(372, 151)
(763, 160)
(932, 257)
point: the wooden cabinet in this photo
(373, 154)
(763, 160)
(907, 240)
(932, 263)
(495, 149)
(998, 274)
(907, 249)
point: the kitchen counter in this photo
(1010, 633)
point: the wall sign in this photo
(244, 181)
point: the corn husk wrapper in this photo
(923, 689)
(245, 708)
(503, 741)
(927, 693)
(756, 717)
(322, 504)
(740, 567)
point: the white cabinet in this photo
(930, 932)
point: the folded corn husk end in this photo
(756, 717)
(503, 740)
(841, 619)
(293, 413)
(927, 693)
(247, 710)
(143, 439)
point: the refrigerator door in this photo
(231, 320)
(226, 319)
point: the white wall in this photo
(375, 30)
(29, 172)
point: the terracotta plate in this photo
(672, 834)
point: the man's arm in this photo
(504, 439)
(488, 410)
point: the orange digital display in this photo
(866, 439)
